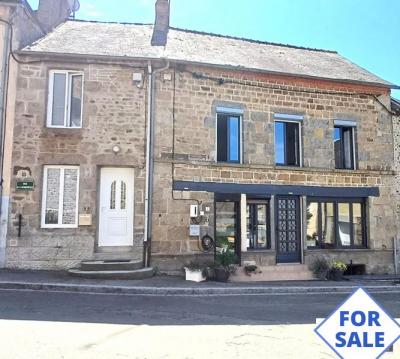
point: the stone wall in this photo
(185, 145)
(396, 131)
(113, 114)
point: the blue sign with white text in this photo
(359, 328)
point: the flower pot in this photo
(336, 274)
(221, 274)
(210, 273)
(194, 275)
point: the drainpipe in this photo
(148, 202)
(3, 100)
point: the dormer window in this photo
(65, 99)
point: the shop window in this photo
(336, 223)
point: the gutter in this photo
(148, 202)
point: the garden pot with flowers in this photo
(337, 270)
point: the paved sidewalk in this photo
(174, 285)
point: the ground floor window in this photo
(60, 197)
(226, 225)
(336, 223)
(258, 220)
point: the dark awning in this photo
(272, 189)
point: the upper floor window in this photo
(287, 140)
(65, 99)
(60, 197)
(229, 138)
(343, 137)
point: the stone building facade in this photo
(187, 135)
(396, 133)
(113, 114)
(20, 25)
(280, 167)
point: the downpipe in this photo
(148, 202)
(3, 86)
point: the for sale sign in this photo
(359, 328)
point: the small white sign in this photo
(359, 328)
(194, 230)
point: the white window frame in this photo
(233, 112)
(68, 89)
(60, 198)
(291, 119)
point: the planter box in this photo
(194, 276)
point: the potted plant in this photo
(337, 270)
(194, 272)
(320, 268)
(225, 265)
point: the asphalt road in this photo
(185, 310)
(48, 325)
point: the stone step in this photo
(125, 256)
(142, 273)
(111, 265)
(274, 273)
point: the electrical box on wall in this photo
(194, 211)
(194, 230)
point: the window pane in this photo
(70, 194)
(234, 131)
(357, 224)
(251, 236)
(112, 194)
(292, 144)
(344, 223)
(76, 100)
(261, 226)
(312, 225)
(222, 140)
(337, 138)
(280, 143)
(226, 226)
(348, 148)
(58, 110)
(52, 196)
(328, 225)
(123, 195)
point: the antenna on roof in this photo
(75, 7)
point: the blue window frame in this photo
(228, 138)
(287, 143)
(343, 137)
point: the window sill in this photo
(252, 250)
(340, 249)
(63, 131)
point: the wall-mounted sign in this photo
(25, 185)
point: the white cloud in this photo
(90, 10)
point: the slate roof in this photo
(395, 104)
(133, 41)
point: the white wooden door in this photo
(116, 207)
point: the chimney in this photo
(51, 13)
(161, 25)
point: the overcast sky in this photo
(364, 31)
